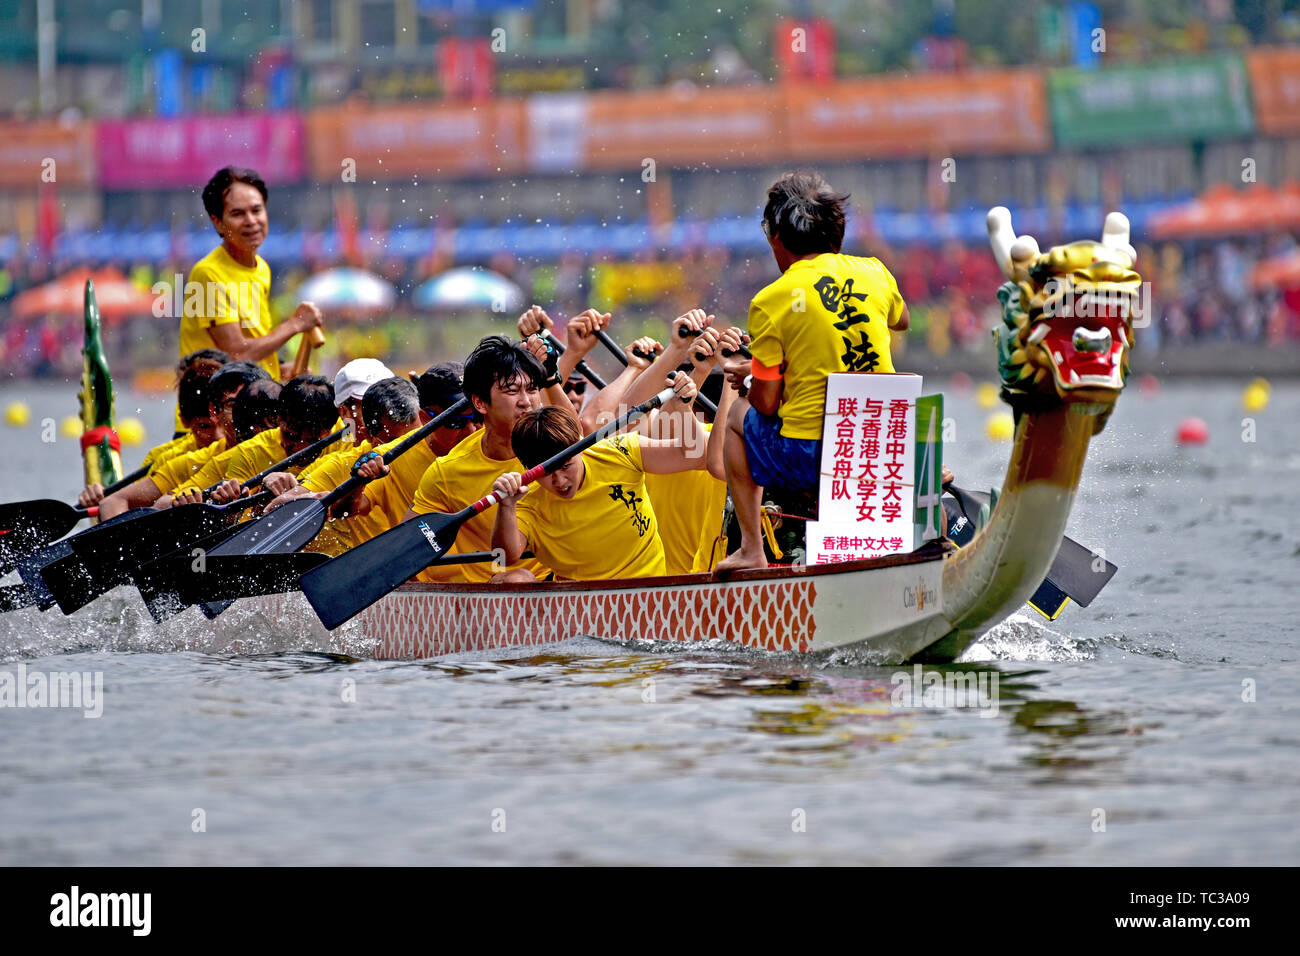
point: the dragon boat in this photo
(1063, 352)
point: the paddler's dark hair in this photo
(193, 398)
(213, 357)
(441, 387)
(214, 193)
(394, 399)
(543, 433)
(232, 376)
(805, 213)
(307, 405)
(256, 409)
(497, 360)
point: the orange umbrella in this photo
(1225, 211)
(118, 297)
(1282, 272)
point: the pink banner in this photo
(188, 150)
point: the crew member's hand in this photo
(533, 321)
(730, 341)
(280, 482)
(684, 387)
(189, 496)
(579, 335)
(372, 469)
(642, 352)
(948, 477)
(694, 320)
(539, 350)
(704, 350)
(90, 496)
(228, 491)
(307, 317)
(510, 488)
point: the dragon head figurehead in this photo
(1067, 316)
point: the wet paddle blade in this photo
(160, 580)
(234, 576)
(356, 579)
(29, 568)
(27, 525)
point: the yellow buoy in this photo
(71, 427)
(1261, 383)
(17, 414)
(986, 395)
(1255, 397)
(130, 431)
(1000, 426)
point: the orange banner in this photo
(1275, 81)
(434, 141)
(722, 126)
(939, 114)
(46, 151)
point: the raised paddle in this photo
(110, 553)
(610, 344)
(28, 525)
(293, 525)
(358, 578)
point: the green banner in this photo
(1197, 98)
(929, 468)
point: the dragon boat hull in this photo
(888, 609)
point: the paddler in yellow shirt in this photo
(591, 518)
(221, 392)
(227, 296)
(826, 313)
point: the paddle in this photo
(1077, 574)
(582, 368)
(27, 525)
(603, 337)
(293, 525)
(313, 339)
(358, 578)
(108, 554)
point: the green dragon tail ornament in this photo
(99, 442)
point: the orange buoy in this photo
(1193, 431)
(960, 383)
(1148, 386)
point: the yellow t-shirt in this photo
(831, 313)
(181, 469)
(453, 483)
(219, 291)
(177, 446)
(393, 494)
(265, 449)
(688, 507)
(608, 528)
(326, 474)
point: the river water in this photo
(1159, 726)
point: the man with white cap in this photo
(350, 385)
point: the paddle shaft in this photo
(610, 344)
(313, 339)
(582, 368)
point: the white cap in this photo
(358, 375)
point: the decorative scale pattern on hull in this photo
(771, 615)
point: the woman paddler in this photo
(227, 301)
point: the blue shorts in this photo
(778, 462)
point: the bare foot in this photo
(742, 560)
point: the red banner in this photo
(187, 151)
(46, 151)
(1003, 111)
(1275, 81)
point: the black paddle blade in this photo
(159, 580)
(29, 568)
(109, 556)
(285, 530)
(356, 579)
(27, 525)
(233, 576)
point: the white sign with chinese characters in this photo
(867, 489)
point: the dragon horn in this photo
(1001, 236)
(1115, 235)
